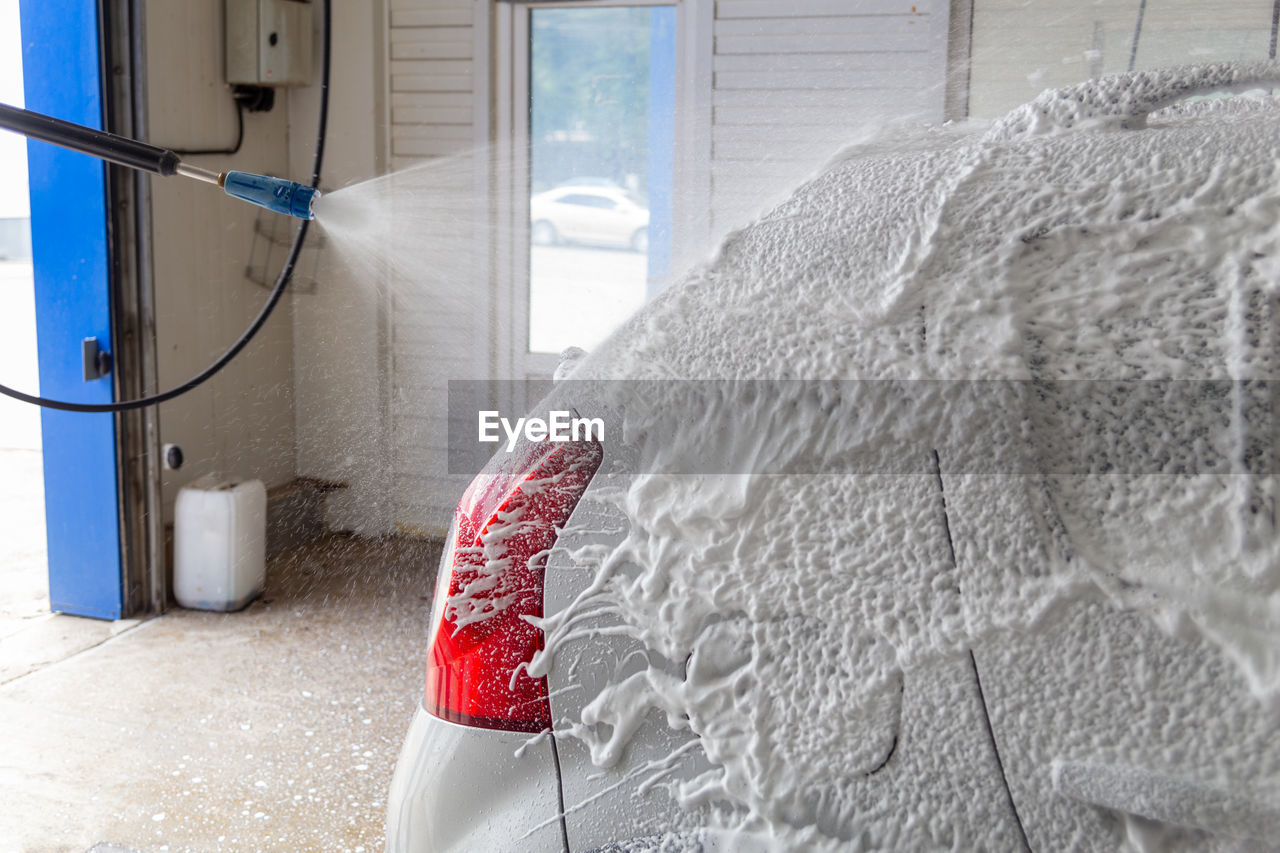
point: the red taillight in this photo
(491, 577)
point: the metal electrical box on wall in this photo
(268, 42)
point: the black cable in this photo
(281, 281)
(232, 150)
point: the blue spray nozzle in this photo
(287, 197)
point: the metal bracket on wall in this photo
(268, 235)
(296, 286)
(315, 241)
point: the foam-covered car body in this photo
(936, 512)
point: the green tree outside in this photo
(589, 96)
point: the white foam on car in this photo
(1082, 237)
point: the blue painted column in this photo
(661, 167)
(69, 241)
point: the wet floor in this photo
(276, 728)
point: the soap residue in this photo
(1057, 253)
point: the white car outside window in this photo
(588, 216)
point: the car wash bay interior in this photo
(339, 406)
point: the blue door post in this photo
(69, 242)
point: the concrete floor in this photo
(276, 728)
(24, 581)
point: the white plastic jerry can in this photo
(219, 543)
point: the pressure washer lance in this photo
(282, 196)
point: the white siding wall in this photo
(1022, 47)
(439, 331)
(796, 80)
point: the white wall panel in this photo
(794, 81)
(1022, 47)
(809, 8)
(438, 74)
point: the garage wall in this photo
(241, 422)
(1022, 47)
(340, 356)
(439, 110)
(796, 80)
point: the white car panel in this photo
(894, 771)
(1094, 721)
(1190, 753)
(459, 788)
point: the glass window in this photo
(600, 119)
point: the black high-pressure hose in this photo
(144, 157)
